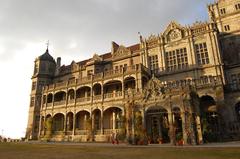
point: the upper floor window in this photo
(227, 28)
(153, 62)
(223, 11)
(32, 102)
(35, 69)
(176, 59)
(33, 85)
(90, 72)
(237, 6)
(202, 54)
(41, 84)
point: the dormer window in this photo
(223, 11)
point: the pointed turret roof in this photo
(46, 57)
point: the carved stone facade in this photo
(182, 83)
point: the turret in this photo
(44, 69)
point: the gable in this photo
(174, 32)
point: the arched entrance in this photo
(83, 123)
(69, 125)
(157, 125)
(177, 124)
(58, 123)
(111, 118)
(96, 117)
(209, 119)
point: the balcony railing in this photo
(98, 76)
(97, 97)
(81, 132)
(63, 102)
(71, 101)
(85, 99)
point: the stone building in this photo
(182, 83)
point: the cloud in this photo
(94, 23)
(76, 29)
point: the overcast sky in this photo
(76, 30)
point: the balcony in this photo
(97, 97)
(117, 94)
(58, 103)
(82, 100)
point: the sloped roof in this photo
(46, 57)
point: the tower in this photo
(44, 70)
(226, 14)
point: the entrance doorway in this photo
(209, 119)
(157, 125)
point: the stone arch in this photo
(50, 98)
(209, 118)
(69, 122)
(97, 89)
(71, 94)
(112, 89)
(82, 118)
(96, 117)
(157, 124)
(129, 83)
(111, 118)
(60, 96)
(58, 122)
(83, 92)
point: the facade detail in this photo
(181, 84)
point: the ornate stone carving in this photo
(174, 32)
(175, 35)
(154, 89)
(96, 57)
(121, 51)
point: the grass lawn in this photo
(62, 151)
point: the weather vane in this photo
(47, 44)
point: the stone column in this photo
(171, 130)
(40, 128)
(143, 118)
(93, 121)
(65, 124)
(101, 122)
(114, 120)
(199, 130)
(102, 92)
(74, 124)
(184, 128)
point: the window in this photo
(176, 59)
(227, 28)
(90, 72)
(35, 68)
(153, 62)
(33, 85)
(41, 84)
(223, 11)
(234, 81)
(32, 102)
(202, 54)
(237, 6)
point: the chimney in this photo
(59, 62)
(58, 65)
